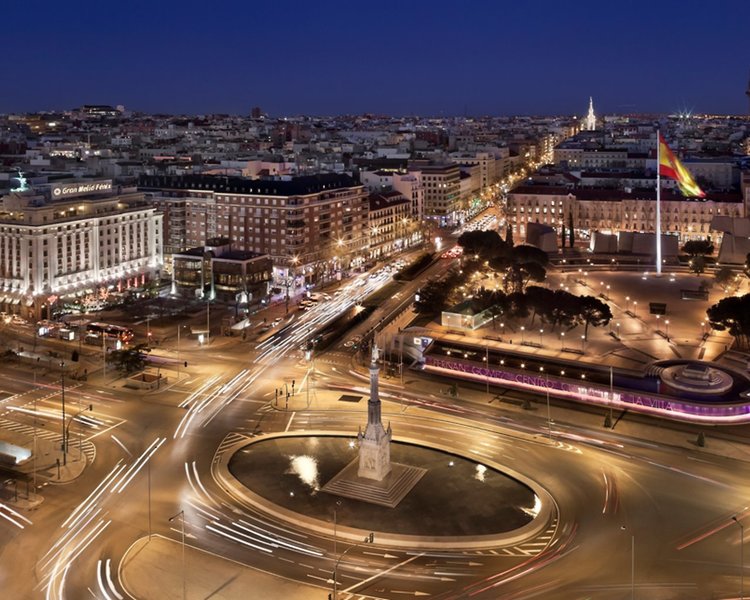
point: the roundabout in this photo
(284, 475)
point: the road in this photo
(617, 496)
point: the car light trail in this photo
(13, 513)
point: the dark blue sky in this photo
(432, 57)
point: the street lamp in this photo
(67, 427)
(562, 341)
(181, 514)
(635, 308)
(583, 344)
(368, 540)
(522, 334)
(666, 325)
(549, 417)
(742, 557)
(632, 563)
(541, 333)
(62, 390)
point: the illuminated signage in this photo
(594, 395)
(80, 188)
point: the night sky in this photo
(432, 58)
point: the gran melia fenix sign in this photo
(80, 188)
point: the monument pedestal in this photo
(388, 491)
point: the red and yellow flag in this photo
(670, 166)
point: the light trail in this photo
(138, 465)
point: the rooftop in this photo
(296, 186)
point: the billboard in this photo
(80, 188)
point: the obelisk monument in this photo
(375, 442)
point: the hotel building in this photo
(66, 240)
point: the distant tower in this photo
(591, 117)
(747, 91)
(375, 442)
(255, 112)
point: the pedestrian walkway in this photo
(153, 570)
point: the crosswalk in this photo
(88, 447)
(526, 549)
(229, 440)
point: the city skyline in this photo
(414, 59)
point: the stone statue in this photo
(23, 184)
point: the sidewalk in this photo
(152, 570)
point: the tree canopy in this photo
(698, 248)
(520, 265)
(733, 315)
(129, 360)
(593, 311)
(484, 244)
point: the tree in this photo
(732, 314)
(563, 309)
(521, 264)
(485, 244)
(697, 250)
(697, 264)
(509, 236)
(724, 277)
(129, 360)
(593, 311)
(433, 297)
(563, 235)
(571, 231)
(539, 300)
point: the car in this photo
(348, 343)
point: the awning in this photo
(16, 301)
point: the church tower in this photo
(375, 442)
(747, 91)
(591, 117)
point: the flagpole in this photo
(658, 204)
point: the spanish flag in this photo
(670, 166)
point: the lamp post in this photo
(632, 563)
(67, 427)
(541, 333)
(583, 344)
(181, 514)
(523, 329)
(742, 557)
(62, 390)
(549, 414)
(666, 325)
(208, 320)
(368, 540)
(487, 368)
(562, 341)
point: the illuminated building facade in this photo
(74, 238)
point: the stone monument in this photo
(372, 477)
(375, 442)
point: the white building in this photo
(72, 238)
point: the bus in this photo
(123, 334)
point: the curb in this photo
(234, 488)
